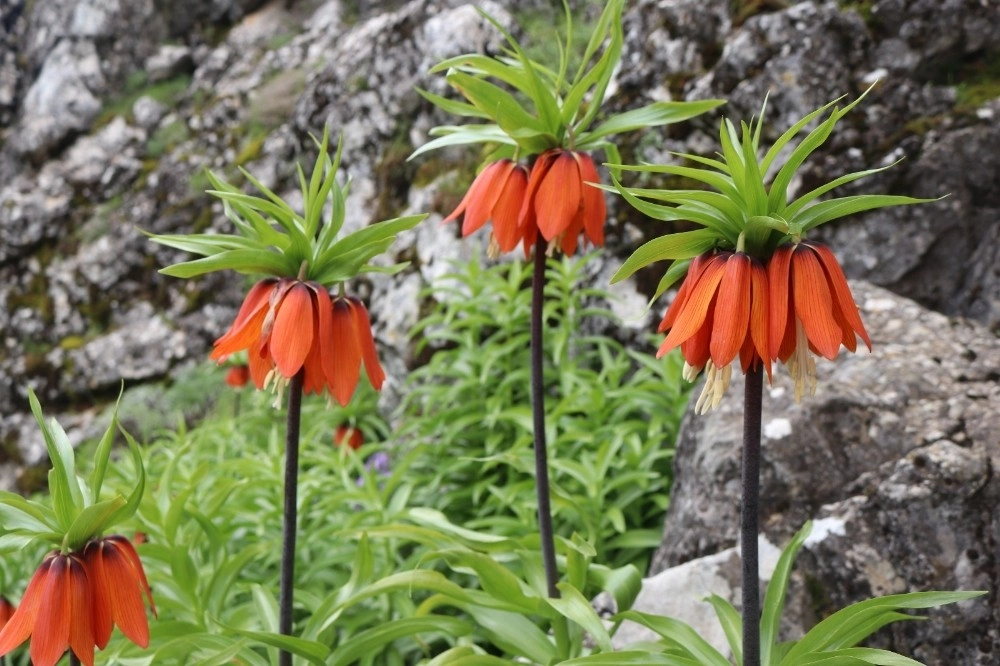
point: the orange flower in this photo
(290, 325)
(496, 194)
(348, 436)
(720, 311)
(57, 612)
(238, 375)
(118, 583)
(560, 204)
(812, 309)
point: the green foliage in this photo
(832, 642)
(612, 413)
(745, 208)
(167, 137)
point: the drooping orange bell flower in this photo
(238, 375)
(57, 612)
(812, 309)
(496, 194)
(560, 204)
(720, 311)
(118, 583)
(289, 325)
(345, 435)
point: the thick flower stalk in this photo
(752, 286)
(545, 117)
(295, 334)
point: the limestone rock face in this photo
(898, 447)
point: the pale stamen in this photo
(716, 382)
(801, 365)
(493, 248)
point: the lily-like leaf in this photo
(684, 245)
(657, 113)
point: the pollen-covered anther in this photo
(690, 372)
(493, 248)
(802, 365)
(716, 382)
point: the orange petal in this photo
(485, 193)
(732, 310)
(241, 334)
(343, 366)
(93, 558)
(125, 594)
(292, 336)
(696, 308)
(695, 349)
(22, 622)
(571, 237)
(558, 197)
(128, 551)
(780, 295)
(694, 270)
(843, 299)
(759, 314)
(314, 380)
(81, 631)
(594, 209)
(50, 637)
(363, 326)
(812, 303)
(260, 362)
(508, 208)
(526, 219)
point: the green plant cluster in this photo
(613, 412)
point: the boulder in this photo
(898, 447)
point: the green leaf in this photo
(452, 106)
(732, 625)
(774, 598)
(495, 102)
(17, 513)
(367, 641)
(313, 652)
(92, 521)
(578, 608)
(676, 272)
(103, 452)
(460, 135)
(833, 209)
(632, 658)
(680, 633)
(241, 261)
(657, 113)
(67, 497)
(850, 625)
(684, 245)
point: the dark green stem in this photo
(73, 661)
(750, 513)
(538, 411)
(285, 598)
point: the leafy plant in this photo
(832, 642)
(613, 412)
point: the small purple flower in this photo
(379, 463)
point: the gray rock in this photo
(898, 444)
(62, 100)
(147, 112)
(169, 61)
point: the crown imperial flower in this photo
(495, 195)
(812, 310)
(560, 204)
(73, 600)
(287, 325)
(720, 312)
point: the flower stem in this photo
(750, 512)
(538, 411)
(290, 513)
(73, 661)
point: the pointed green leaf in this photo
(241, 261)
(774, 598)
(92, 522)
(683, 245)
(657, 113)
(675, 631)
